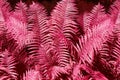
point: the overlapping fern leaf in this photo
(35, 46)
(60, 26)
(108, 56)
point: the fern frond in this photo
(7, 66)
(5, 8)
(18, 31)
(108, 57)
(93, 40)
(52, 65)
(63, 18)
(37, 20)
(63, 28)
(37, 32)
(56, 55)
(61, 52)
(95, 17)
(32, 75)
(4, 16)
(56, 72)
(20, 12)
(115, 12)
(45, 60)
(37, 28)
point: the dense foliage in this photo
(66, 45)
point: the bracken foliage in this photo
(64, 45)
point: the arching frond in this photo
(63, 28)
(37, 29)
(95, 17)
(63, 19)
(93, 40)
(35, 46)
(37, 20)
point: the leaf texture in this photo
(92, 40)
(63, 19)
(109, 55)
(32, 75)
(38, 46)
(7, 67)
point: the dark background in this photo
(82, 5)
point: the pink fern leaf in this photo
(109, 56)
(20, 12)
(37, 20)
(4, 15)
(115, 12)
(56, 72)
(7, 66)
(63, 28)
(32, 75)
(61, 52)
(17, 30)
(37, 28)
(93, 40)
(63, 19)
(4, 9)
(96, 16)
(51, 64)
(45, 60)
(38, 32)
